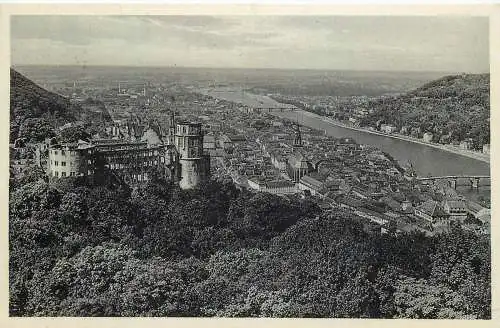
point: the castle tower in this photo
(194, 165)
(70, 160)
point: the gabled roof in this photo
(158, 129)
(208, 138)
(350, 201)
(428, 207)
(237, 137)
(279, 184)
(298, 161)
(474, 207)
(456, 204)
(151, 136)
(432, 208)
(308, 180)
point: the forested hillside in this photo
(78, 249)
(35, 113)
(452, 108)
(34, 110)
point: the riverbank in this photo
(448, 148)
(255, 100)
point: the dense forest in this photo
(453, 108)
(78, 248)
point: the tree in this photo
(357, 299)
(418, 299)
(73, 134)
(90, 249)
(87, 275)
(36, 129)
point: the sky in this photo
(424, 43)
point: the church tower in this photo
(297, 142)
(171, 130)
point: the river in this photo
(426, 160)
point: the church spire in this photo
(171, 129)
(172, 119)
(297, 142)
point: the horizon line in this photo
(247, 68)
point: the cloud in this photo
(187, 31)
(370, 42)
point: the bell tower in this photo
(171, 130)
(297, 142)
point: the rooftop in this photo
(191, 123)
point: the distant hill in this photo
(467, 87)
(453, 108)
(36, 112)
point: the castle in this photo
(178, 154)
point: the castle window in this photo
(55, 152)
(63, 152)
(63, 174)
(56, 163)
(63, 163)
(56, 173)
(72, 174)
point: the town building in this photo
(457, 209)
(277, 187)
(478, 211)
(466, 144)
(428, 137)
(209, 142)
(387, 128)
(311, 184)
(405, 129)
(431, 211)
